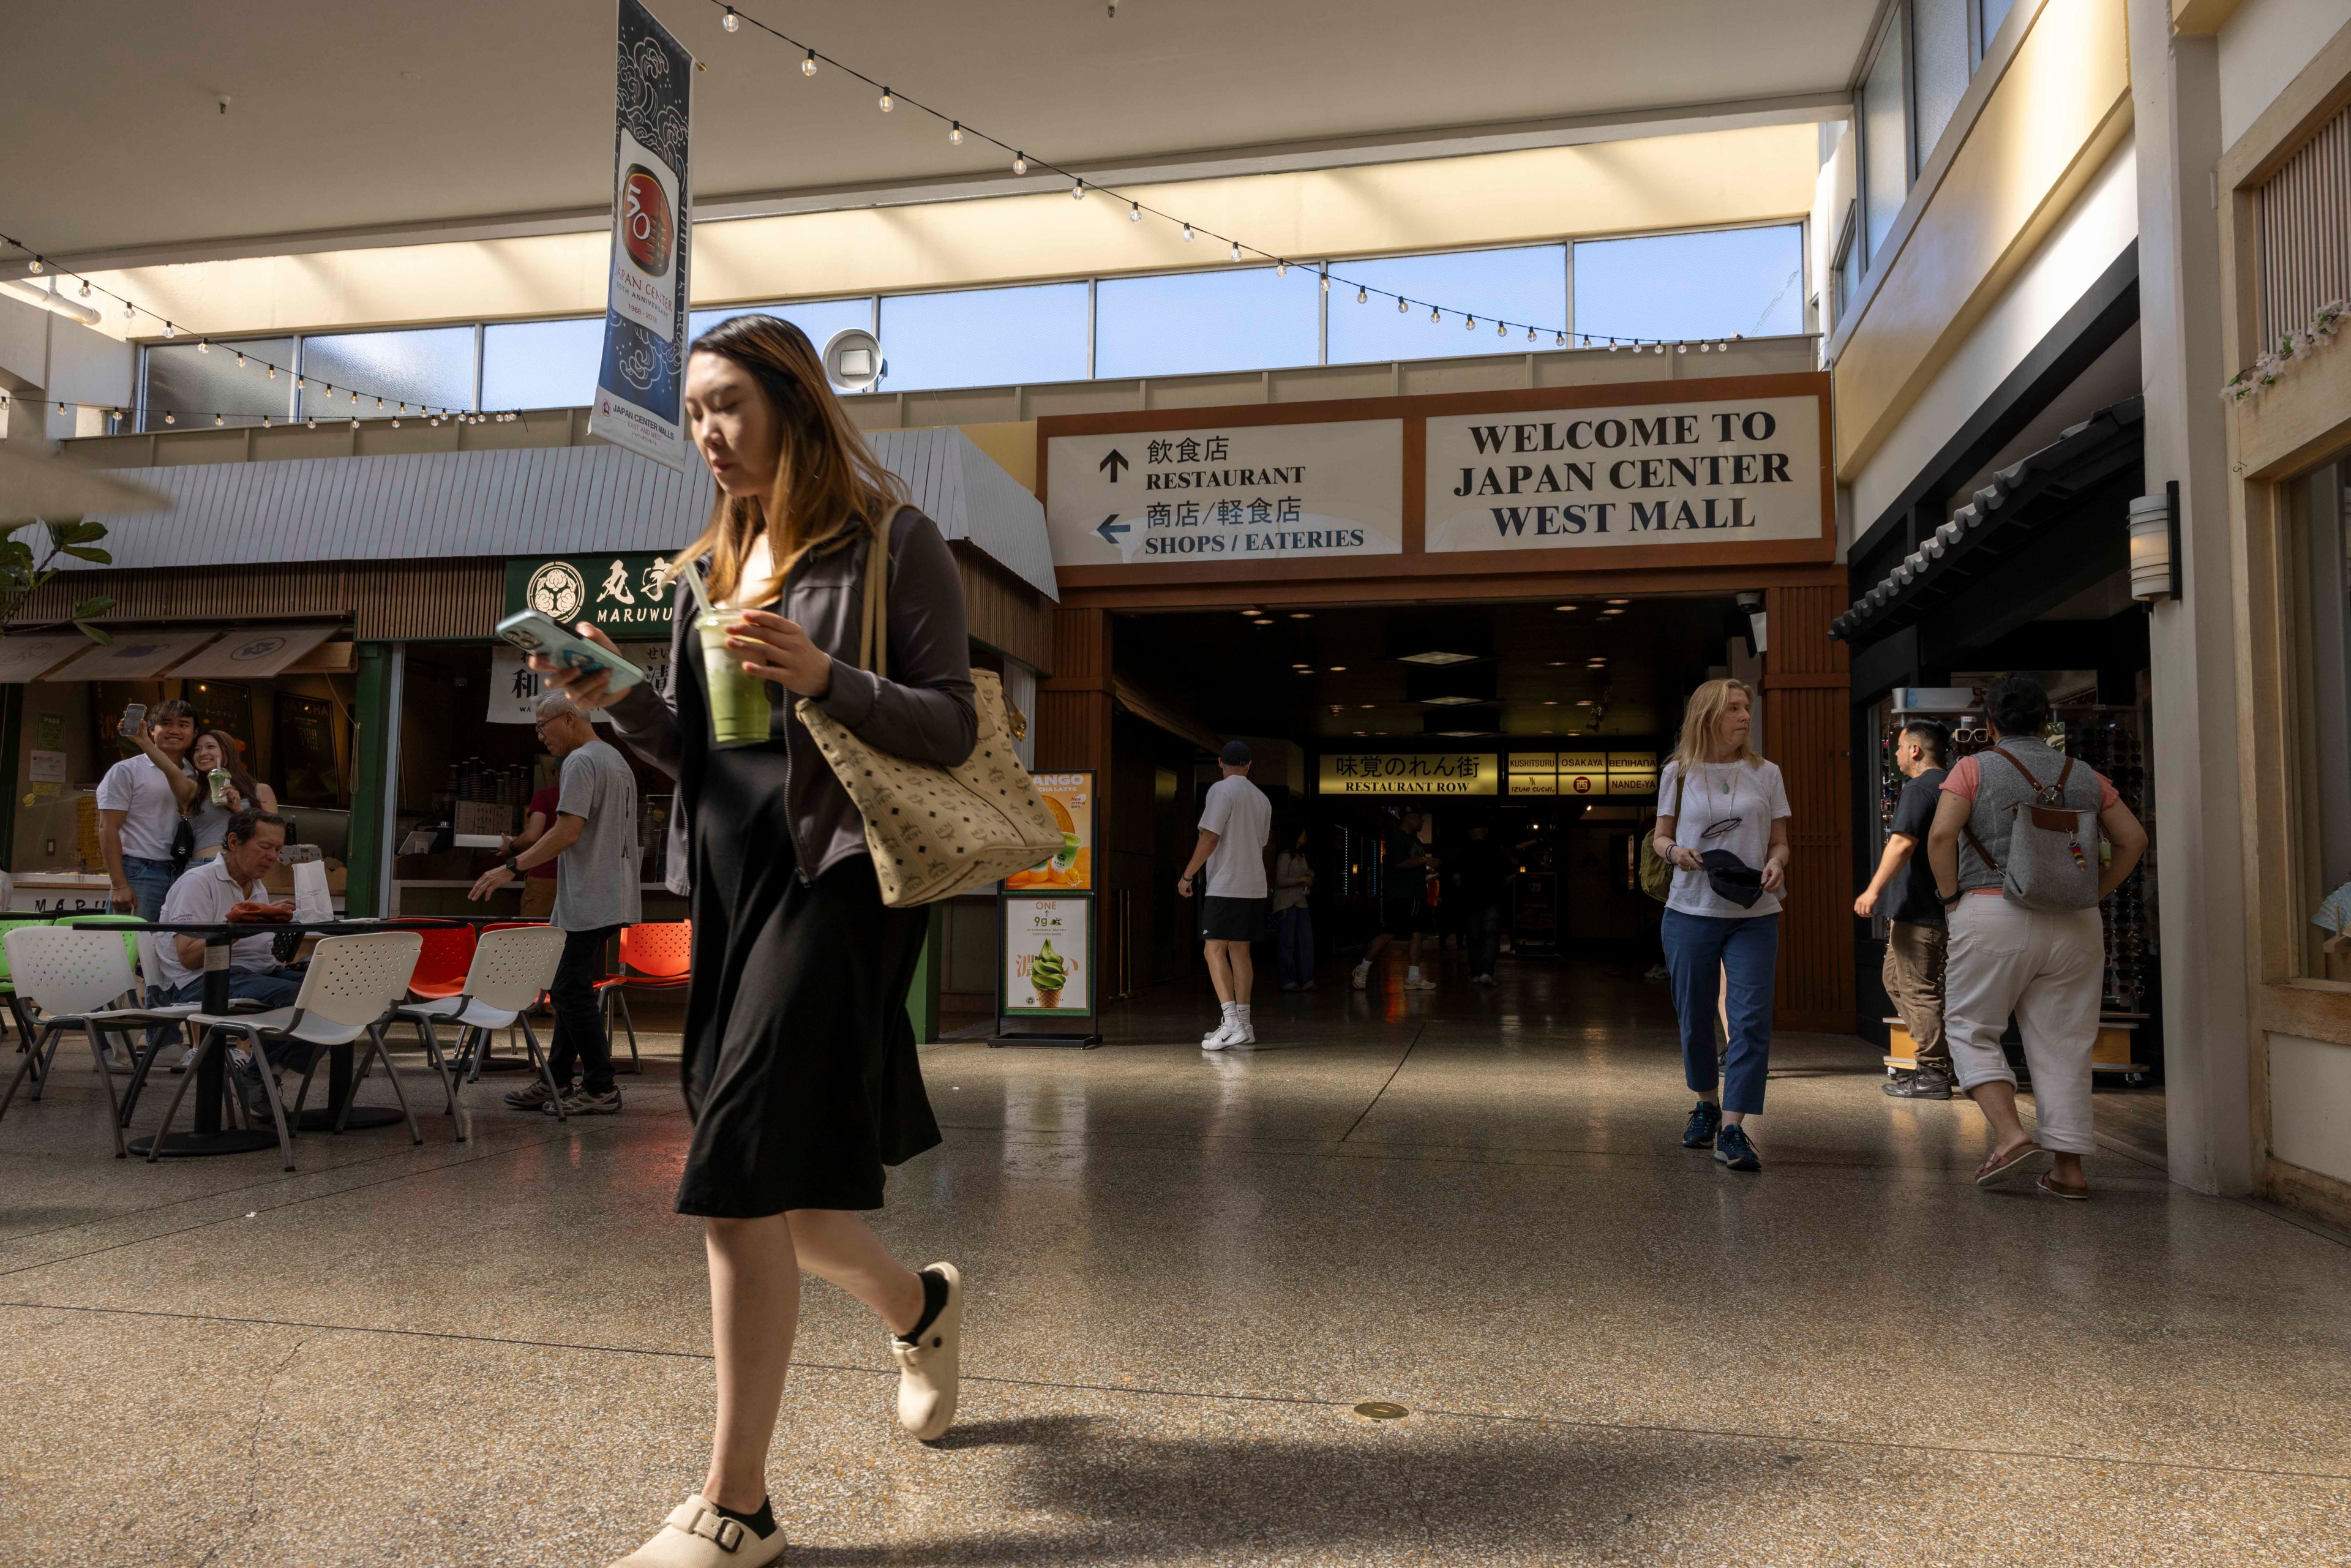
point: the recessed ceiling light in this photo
(1620, 601)
(1302, 615)
(1558, 663)
(1562, 607)
(1451, 701)
(1338, 669)
(1437, 658)
(1584, 702)
(1364, 705)
(1264, 620)
(1550, 702)
(1359, 732)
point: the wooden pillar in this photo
(1073, 703)
(1812, 741)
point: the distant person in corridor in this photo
(1914, 939)
(1235, 822)
(1404, 908)
(1723, 821)
(1293, 927)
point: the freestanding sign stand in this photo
(1046, 943)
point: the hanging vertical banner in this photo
(641, 386)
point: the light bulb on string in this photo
(1612, 345)
(1468, 323)
(240, 361)
(1020, 162)
(1530, 334)
(1187, 234)
(731, 22)
(1236, 252)
(1280, 268)
(203, 347)
(265, 422)
(85, 288)
(396, 422)
(954, 132)
(36, 266)
(312, 421)
(1435, 314)
(1560, 341)
(1135, 213)
(355, 422)
(170, 419)
(1077, 191)
(1502, 330)
(1403, 305)
(170, 330)
(1705, 348)
(1363, 296)
(808, 66)
(1681, 348)
(129, 311)
(888, 103)
(216, 418)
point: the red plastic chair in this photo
(441, 966)
(655, 955)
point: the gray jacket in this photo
(924, 712)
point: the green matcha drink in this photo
(738, 703)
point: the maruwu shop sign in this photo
(619, 593)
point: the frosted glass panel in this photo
(1748, 282)
(984, 337)
(433, 366)
(541, 364)
(1192, 323)
(1939, 59)
(1526, 284)
(1884, 139)
(193, 385)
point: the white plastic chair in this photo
(353, 984)
(511, 967)
(74, 977)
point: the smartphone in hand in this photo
(536, 633)
(134, 722)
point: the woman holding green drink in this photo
(799, 1065)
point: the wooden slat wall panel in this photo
(1003, 612)
(1073, 705)
(421, 600)
(1811, 739)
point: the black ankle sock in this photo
(935, 1300)
(761, 1524)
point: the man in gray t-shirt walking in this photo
(593, 841)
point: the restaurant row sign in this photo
(1704, 471)
(1582, 772)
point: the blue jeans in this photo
(1744, 952)
(1293, 946)
(272, 987)
(150, 882)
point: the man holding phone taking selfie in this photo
(139, 805)
(593, 840)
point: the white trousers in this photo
(2048, 969)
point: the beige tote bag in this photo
(934, 832)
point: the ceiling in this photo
(1331, 674)
(346, 120)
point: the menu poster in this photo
(1070, 797)
(1046, 956)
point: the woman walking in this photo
(2025, 937)
(1723, 822)
(799, 1067)
(1293, 927)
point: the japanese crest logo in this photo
(556, 591)
(647, 226)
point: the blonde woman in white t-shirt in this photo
(1723, 822)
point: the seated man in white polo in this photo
(203, 896)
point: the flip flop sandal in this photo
(2025, 1159)
(2059, 1189)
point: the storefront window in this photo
(984, 337)
(1191, 323)
(2320, 506)
(819, 318)
(433, 366)
(191, 383)
(1745, 282)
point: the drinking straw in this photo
(692, 574)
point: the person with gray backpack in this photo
(2015, 850)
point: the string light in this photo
(1078, 192)
(888, 103)
(808, 66)
(1435, 314)
(955, 133)
(1403, 305)
(1187, 234)
(1468, 323)
(216, 418)
(1019, 160)
(1280, 268)
(170, 330)
(37, 267)
(1363, 296)
(1135, 213)
(202, 346)
(85, 288)
(313, 421)
(1237, 250)
(731, 22)
(170, 419)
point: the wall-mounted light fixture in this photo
(2154, 545)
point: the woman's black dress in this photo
(799, 1066)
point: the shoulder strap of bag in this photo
(873, 635)
(2003, 754)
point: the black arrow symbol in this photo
(1113, 463)
(1110, 529)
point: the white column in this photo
(2176, 101)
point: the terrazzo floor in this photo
(1185, 1272)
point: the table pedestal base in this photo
(195, 1145)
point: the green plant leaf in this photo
(98, 635)
(96, 605)
(88, 553)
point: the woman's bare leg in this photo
(841, 1249)
(755, 1304)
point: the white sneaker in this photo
(696, 1535)
(1361, 977)
(1481, 980)
(1244, 1033)
(1226, 1033)
(930, 1370)
(1224, 1025)
(1414, 983)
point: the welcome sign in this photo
(1639, 475)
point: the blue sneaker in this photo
(1705, 1117)
(1733, 1152)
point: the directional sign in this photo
(1232, 492)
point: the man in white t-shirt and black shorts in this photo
(1236, 819)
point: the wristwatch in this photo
(510, 865)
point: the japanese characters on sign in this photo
(1655, 474)
(620, 593)
(1266, 492)
(1408, 773)
(640, 385)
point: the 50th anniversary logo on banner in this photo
(641, 384)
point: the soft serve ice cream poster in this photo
(1046, 956)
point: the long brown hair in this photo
(233, 758)
(1706, 705)
(828, 483)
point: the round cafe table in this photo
(207, 1136)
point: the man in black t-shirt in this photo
(1914, 944)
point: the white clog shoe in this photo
(930, 1369)
(696, 1535)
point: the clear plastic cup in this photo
(739, 709)
(219, 778)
